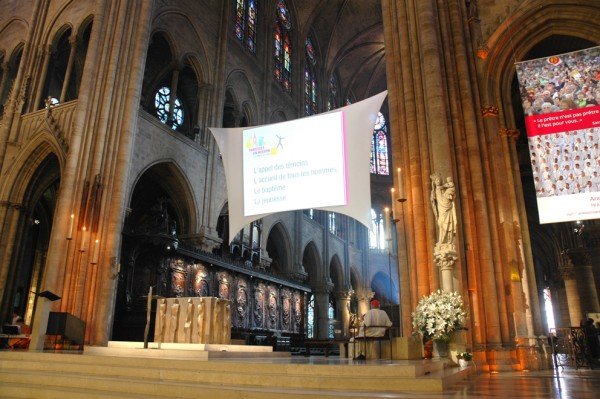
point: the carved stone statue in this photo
(175, 320)
(226, 325)
(217, 320)
(442, 202)
(200, 321)
(187, 327)
(162, 317)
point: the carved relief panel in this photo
(241, 304)
(259, 305)
(223, 279)
(286, 310)
(200, 278)
(273, 308)
(178, 277)
(298, 309)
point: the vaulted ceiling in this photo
(348, 37)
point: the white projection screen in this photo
(319, 162)
(561, 102)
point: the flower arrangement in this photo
(468, 356)
(439, 314)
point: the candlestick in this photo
(401, 194)
(95, 256)
(392, 194)
(83, 239)
(70, 231)
(386, 211)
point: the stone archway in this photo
(161, 212)
(30, 240)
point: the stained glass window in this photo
(162, 104)
(240, 23)
(310, 82)
(310, 317)
(379, 148)
(332, 223)
(332, 99)
(282, 56)
(245, 23)
(377, 232)
(331, 317)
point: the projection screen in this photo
(319, 162)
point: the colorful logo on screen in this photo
(259, 146)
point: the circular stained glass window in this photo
(162, 103)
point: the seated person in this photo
(374, 324)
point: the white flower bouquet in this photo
(439, 314)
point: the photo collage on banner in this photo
(561, 101)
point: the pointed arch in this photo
(279, 249)
(336, 273)
(164, 178)
(311, 261)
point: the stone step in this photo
(276, 366)
(183, 378)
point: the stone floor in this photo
(567, 384)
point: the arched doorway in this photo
(31, 241)
(161, 209)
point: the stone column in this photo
(364, 299)
(343, 308)
(321, 312)
(588, 296)
(67, 80)
(173, 97)
(567, 272)
(47, 51)
(5, 72)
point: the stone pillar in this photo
(588, 296)
(47, 51)
(321, 312)
(567, 272)
(67, 80)
(173, 97)
(5, 72)
(343, 307)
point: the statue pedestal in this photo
(407, 348)
(195, 320)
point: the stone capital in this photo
(566, 270)
(325, 287)
(445, 256)
(343, 295)
(578, 256)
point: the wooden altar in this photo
(197, 320)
